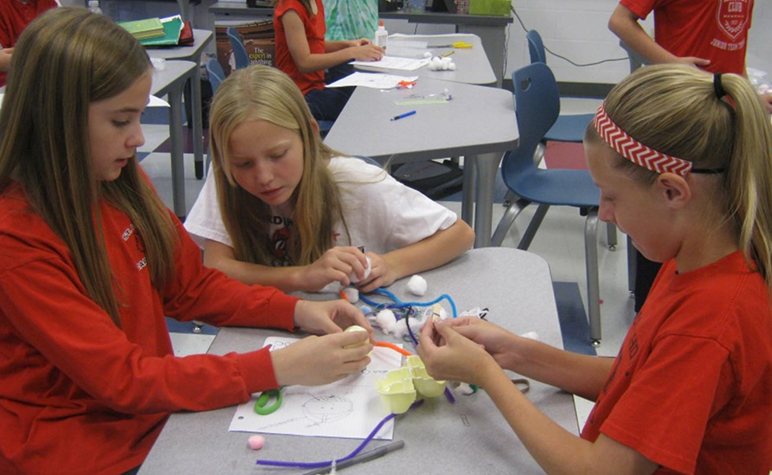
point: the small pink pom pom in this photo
(256, 442)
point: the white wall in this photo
(578, 30)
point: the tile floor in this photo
(560, 241)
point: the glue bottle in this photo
(93, 7)
(381, 35)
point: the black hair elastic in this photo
(718, 88)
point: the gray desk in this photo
(191, 53)
(170, 81)
(472, 64)
(479, 123)
(492, 30)
(470, 436)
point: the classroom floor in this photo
(560, 241)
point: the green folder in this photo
(171, 37)
(142, 29)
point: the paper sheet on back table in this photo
(349, 408)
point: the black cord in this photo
(627, 58)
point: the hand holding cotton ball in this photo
(356, 328)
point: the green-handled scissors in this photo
(262, 406)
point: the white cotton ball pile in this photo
(442, 64)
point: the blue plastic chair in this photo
(215, 73)
(239, 51)
(537, 104)
(567, 128)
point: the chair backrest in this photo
(536, 47)
(537, 106)
(239, 51)
(215, 73)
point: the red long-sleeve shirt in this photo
(80, 395)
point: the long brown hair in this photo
(66, 59)
(265, 93)
(675, 110)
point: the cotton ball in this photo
(427, 55)
(365, 309)
(465, 389)
(446, 60)
(452, 66)
(417, 285)
(333, 287)
(386, 320)
(352, 294)
(353, 277)
(531, 336)
(256, 442)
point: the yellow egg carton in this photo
(401, 387)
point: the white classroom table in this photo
(478, 123)
(468, 437)
(472, 64)
(191, 53)
(170, 81)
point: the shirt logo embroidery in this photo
(141, 264)
(732, 16)
(127, 234)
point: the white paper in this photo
(391, 62)
(372, 80)
(350, 408)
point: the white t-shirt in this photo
(381, 214)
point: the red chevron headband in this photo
(635, 151)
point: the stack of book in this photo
(144, 29)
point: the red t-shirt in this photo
(710, 29)
(78, 395)
(315, 30)
(14, 18)
(691, 388)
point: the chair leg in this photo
(510, 214)
(632, 264)
(593, 285)
(533, 226)
(611, 236)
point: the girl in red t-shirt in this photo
(304, 54)
(683, 160)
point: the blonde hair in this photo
(66, 59)
(265, 93)
(675, 110)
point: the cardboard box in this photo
(259, 41)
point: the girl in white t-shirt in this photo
(280, 209)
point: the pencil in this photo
(363, 457)
(448, 53)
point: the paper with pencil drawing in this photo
(349, 408)
(372, 80)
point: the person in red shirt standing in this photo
(304, 55)
(15, 15)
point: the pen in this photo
(448, 54)
(363, 457)
(402, 116)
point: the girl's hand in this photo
(331, 316)
(448, 355)
(322, 360)
(359, 42)
(335, 265)
(381, 274)
(368, 52)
